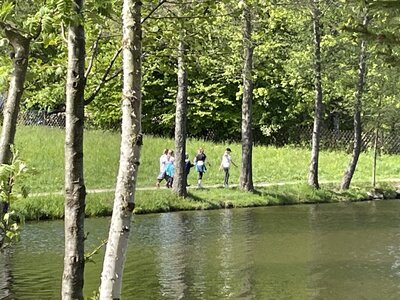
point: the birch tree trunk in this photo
(179, 184)
(362, 70)
(131, 141)
(313, 170)
(246, 175)
(20, 56)
(75, 192)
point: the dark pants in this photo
(170, 181)
(226, 179)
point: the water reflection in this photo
(344, 251)
(226, 253)
(6, 278)
(355, 246)
(171, 256)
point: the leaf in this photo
(5, 10)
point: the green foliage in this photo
(283, 77)
(6, 10)
(9, 222)
(10, 229)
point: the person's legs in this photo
(226, 178)
(200, 177)
(160, 178)
(167, 179)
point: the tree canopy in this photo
(283, 81)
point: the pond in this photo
(328, 251)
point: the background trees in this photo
(216, 70)
(283, 81)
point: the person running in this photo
(163, 160)
(225, 165)
(200, 165)
(170, 168)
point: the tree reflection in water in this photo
(6, 278)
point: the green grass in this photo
(43, 149)
(163, 200)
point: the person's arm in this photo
(233, 163)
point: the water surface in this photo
(329, 251)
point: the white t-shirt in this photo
(226, 160)
(163, 162)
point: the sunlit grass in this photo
(43, 149)
(163, 200)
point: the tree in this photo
(313, 170)
(131, 141)
(75, 191)
(246, 175)
(179, 184)
(20, 43)
(362, 70)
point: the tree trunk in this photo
(246, 176)
(75, 192)
(179, 184)
(131, 141)
(348, 175)
(313, 170)
(376, 139)
(20, 56)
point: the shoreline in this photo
(99, 202)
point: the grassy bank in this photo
(42, 148)
(163, 200)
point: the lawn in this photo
(42, 149)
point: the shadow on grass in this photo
(273, 198)
(210, 204)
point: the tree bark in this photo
(246, 175)
(313, 170)
(131, 141)
(179, 185)
(75, 192)
(362, 70)
(20, 56)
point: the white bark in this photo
(75, 192)
(131, 141)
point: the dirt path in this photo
(259, 184)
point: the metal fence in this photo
(344, 139)
(40, 117)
